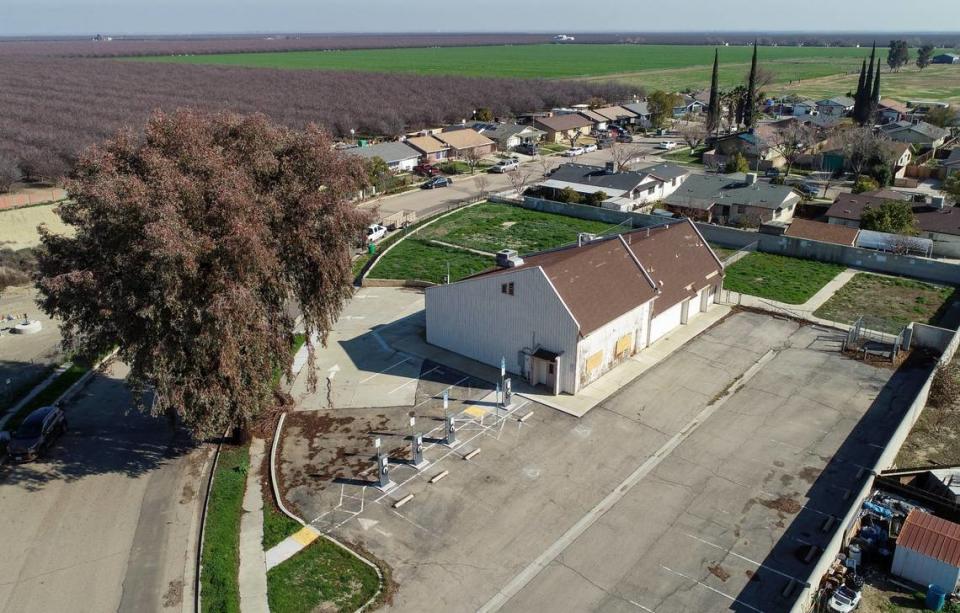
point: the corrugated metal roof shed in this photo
(931, 536)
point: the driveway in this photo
(108, 520)
(695, 488)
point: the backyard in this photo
(889, 303)
(486, 228)
(778, 277)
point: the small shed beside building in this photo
(928, 551)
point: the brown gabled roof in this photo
(931, 536)
(929, 218)
(463, 139)
(851, 206)
(605, 279)
(823, 232)
(894, 105)
(593, 116)
(615, 112)
(427, 144)
(566, 121)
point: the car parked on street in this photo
(437, 182)
(426, 170)
(624, 138)
(528, 149)
(506, 165)
(772, 173)
(375, 232)
(666, 145)
(805, 188)
(573, 152)
(589, 148)
(36, 433)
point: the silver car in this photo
(36, 433)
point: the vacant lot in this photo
(779, 278)
(888, 303)
(18, 227)
(415, 259)
(911, 83)
(541, 61)
(491, 227)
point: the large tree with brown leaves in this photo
(192, 241)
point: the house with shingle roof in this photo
(466, 142)
(431, 149)
(507, 136)
(733, 199)
(563, 126)
(918, 133)
(838, 105)
(399, 156)
(564, 317)
(624, 190)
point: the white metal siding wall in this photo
(605, 339)
(406, 165)
(475, 319)
(666, 321)
(924, 570)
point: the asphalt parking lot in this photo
(697, 487)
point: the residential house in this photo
(902, 155)
(563, 127)
(466, 142)
(562, 318)
(507, 136)
(803, 108)
(432, 150)
(600, 123)
(616, 115)
(399, 156)
(837, 106)
(624, 191)
(952, 163)
(934, 220)
(757, 145)
(823, 232)
(641, 113)
(945, 58)
(734, 199)
(919, 133)
(891, 111)
(689, 105)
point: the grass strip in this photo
(321, 577)
(780, 278)
(219, 583)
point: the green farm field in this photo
(808, 71)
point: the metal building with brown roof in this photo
(928, 551)
(588, 305)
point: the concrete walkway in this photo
(253, 568)
(805, 310)
(288, 547)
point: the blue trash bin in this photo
(936, 598)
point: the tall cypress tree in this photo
(858, 97)
(713, 116)
(874, 97)
(750, 111)
(864, 115)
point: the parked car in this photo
(604, 143)
(589, 148)
(528, 149)
(36, 433)
(844, 600)
(573, 152)
(506, 165)
(375, 232)
(426, 170)
(437, 182)
(623, 137)
(666, 145)
(807, 189)
(772, 173)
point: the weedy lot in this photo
(889, 303)
(485, 227)
(779, 278)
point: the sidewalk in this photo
(253, 567)
(805, 310)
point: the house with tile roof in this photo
(564, 317)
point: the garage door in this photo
(666, 321)
(695, 303)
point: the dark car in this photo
(773, 173)
(807, 189)
(528, 149)
(437, 182)
(36, 433)
(426, 170)
(623, 137)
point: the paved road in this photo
(108, 521)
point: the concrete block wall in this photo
(593, 213)
(924, 269)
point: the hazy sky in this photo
(35, 17)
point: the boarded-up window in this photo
(624, 344)
(594, 361)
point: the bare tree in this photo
(860, 146)
(572, 137)
(546, 165)
(692, 131)
(472, 157)
(518, 179)
(481, 182)
(792, 141)
(623, 154)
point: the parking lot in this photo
(698, 487)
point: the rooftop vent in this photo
(585, 237)
(508, 258)
(937, 202)
(751, 178)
